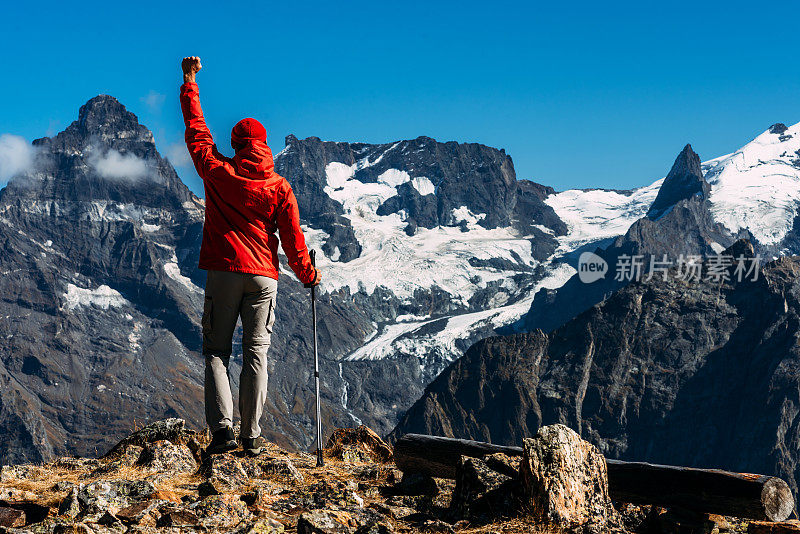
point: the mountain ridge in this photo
(104, 240)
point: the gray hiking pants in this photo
(228, 296)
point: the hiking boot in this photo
(222, 440)
(253, 446)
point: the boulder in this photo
(112, 496)
(173, 430)
(565, 480)
(17, 495)
(10, 473)
(357, 445)
(259, 499)
(62, 486)
(395, 512)
(74, 528)
(167, 458)
(334, 493)
(75, 464)
(375, 528)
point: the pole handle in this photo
(313, 254)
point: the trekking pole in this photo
(320, 461)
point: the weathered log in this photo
(438, 457)
(703, 490)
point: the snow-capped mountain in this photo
(426, 248)
(757, 189)
(423, 236)
(101, 295)
(700, 208)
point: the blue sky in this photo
(585, 94)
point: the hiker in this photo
(246, 203)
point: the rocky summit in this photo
(158, 479)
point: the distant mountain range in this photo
(696, 373)
(427, 247)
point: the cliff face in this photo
(697, 373)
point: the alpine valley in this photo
(426, 247)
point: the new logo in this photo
(591, 267)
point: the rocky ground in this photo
(158, 480)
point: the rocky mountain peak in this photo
(103, 121)
(106, 154)
(102, 107)
(685, 180)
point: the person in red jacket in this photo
(247, 202)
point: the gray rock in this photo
(124, 458)
(111, 496)
(62, 486)
(178, 518)
(145, 513)
(684, 181)
(564, 481)
(166, 458)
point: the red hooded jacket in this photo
(246, 200)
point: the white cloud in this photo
(16, 156)
(178, 155)
(117, 166)
(153, 101)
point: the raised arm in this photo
(292, 240)
(201, 146)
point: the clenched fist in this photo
(191, 66)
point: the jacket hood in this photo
(254, 161)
